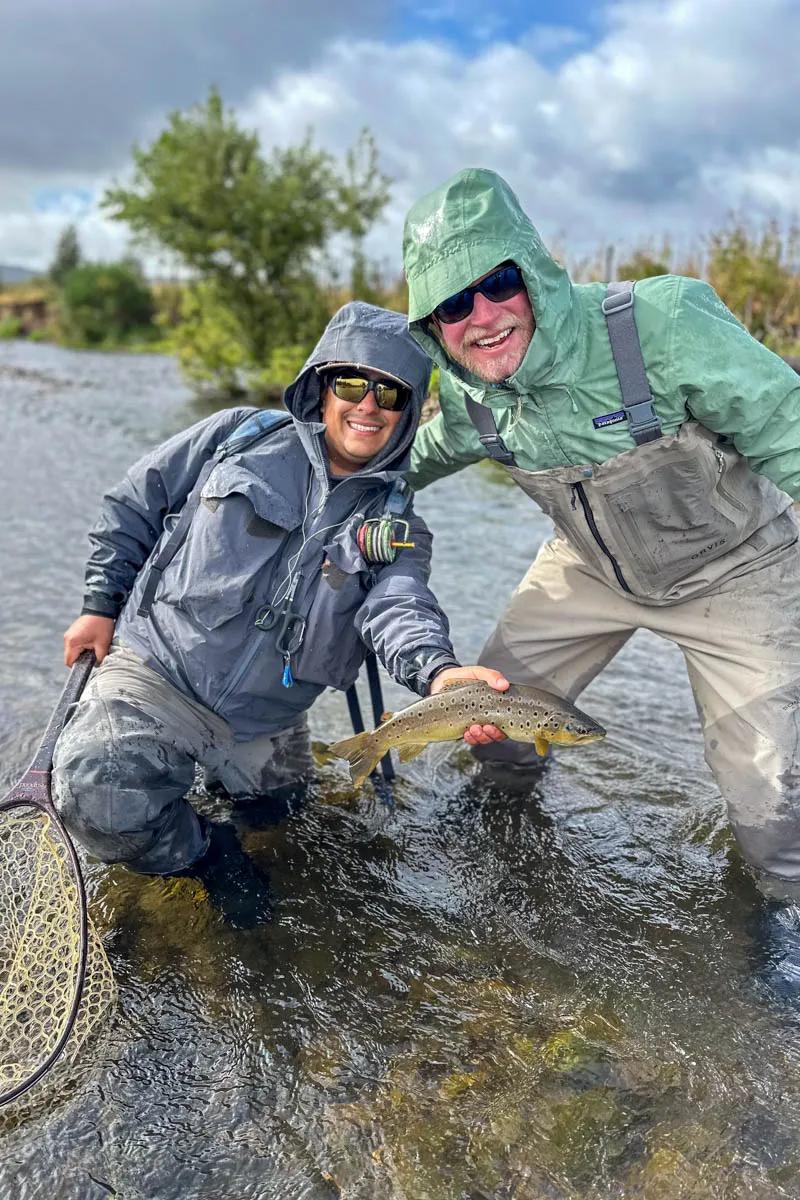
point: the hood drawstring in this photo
(517, 414)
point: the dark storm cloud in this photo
(80, 78)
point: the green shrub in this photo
(106, 304)
(10, 327)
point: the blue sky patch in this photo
(471, 25)
(70, 202)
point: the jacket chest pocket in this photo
(231, 548)
(332, 650)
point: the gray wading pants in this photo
(741, 643)
(127, 758)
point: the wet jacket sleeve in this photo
(735, 386)
(132, 516)
(401, 619)
(447, 443)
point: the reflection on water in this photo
(468, 994)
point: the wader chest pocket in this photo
(668, 524)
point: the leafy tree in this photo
(67, 255)
(106, 303)
(253, 230)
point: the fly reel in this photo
(380, 538)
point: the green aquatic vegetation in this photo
(459, 1082)
(668, 1175)
(564, 1050)
(478, 1127)
(697, 1162)
(578, 1134)
(160, 922)
(503, 1096)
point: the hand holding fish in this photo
(524, 713)
(476, 735)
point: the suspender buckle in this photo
(496, 448)
(616, 301)
(643, 421)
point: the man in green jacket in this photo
(664, 442)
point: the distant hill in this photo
(15, 274)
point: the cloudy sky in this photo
(613, 122)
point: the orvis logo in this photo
(609, 419)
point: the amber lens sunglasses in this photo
(353, 388)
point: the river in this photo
(467, 994)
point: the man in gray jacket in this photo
(240, 570)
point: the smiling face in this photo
(355, 433)
(493, 340)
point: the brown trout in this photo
(526, 714)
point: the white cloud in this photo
(682, 111)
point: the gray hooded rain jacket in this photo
(269, 517)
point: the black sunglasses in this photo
(391, 397)
(501, 285)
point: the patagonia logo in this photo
(609, 419)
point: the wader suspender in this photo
(250, 430)
(399, 499)
(482, 418)
(637, 399)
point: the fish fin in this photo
(387, 716)
(363, 752)
(454, 683)
(411, 750)
(541, 745)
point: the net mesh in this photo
(40, 950)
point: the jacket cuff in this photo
(419, 671)
(96, 604)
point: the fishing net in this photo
(41, 952)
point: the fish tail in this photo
(363, 752)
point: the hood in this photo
(458, 233)
(366, 336)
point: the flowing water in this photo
(465, 994)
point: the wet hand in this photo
(476, 735)
(89, 632)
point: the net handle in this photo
(76, 682)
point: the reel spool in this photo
(378, 539)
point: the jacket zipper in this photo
(578, 488)
(257, 636)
